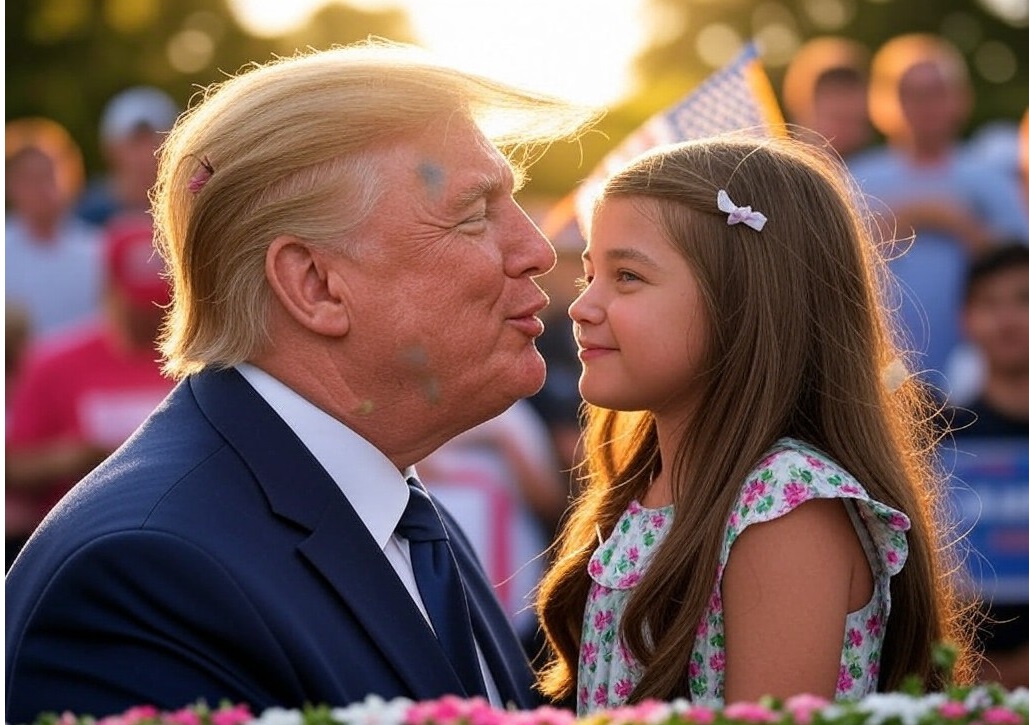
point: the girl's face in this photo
(640, 322)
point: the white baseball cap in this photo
(136, 107)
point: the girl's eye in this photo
(583, 282)
(625, 275)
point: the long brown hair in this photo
(800, 337)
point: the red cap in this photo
(134, 267)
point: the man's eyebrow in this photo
(623, 254)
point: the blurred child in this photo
(757, 515)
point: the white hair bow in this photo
(740, 214)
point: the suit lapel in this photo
(339, 545)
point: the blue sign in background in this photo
(989, 493)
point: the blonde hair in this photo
(799, 338)
(45, 136)
(894, 59)
(290, 144)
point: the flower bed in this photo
(983, 705)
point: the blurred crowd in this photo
(85, 292)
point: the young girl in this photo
(759, 507)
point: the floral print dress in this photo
(791, 473)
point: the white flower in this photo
(978, 699)
(373, 711)
(894, 374)
(883, 706)
(280, 716)
(1019, 697)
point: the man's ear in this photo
(307, 284)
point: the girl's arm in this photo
(786, 591)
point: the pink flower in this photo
(874, 625)
(600, 695)
(623, 688)
(804, 707)
(1001, 716)
(953, 710)
(700, 714)
(131, 716)
(694, 669)
(899, 522)
(232, 715)
(717, 661)
(892, 557)
(185, 716)
(633, 553)
(844, 682)
(634, 507)
(702, 627)
(749, 712)
(850, 488)
(603, 619)
(584, 695)
(589, 653)
(814, 463)
(547, 715)
(753, 491)
(795, 493)
(854, 638)
(658, 520)
(595, 567)
(625, 654)
(734, 519)
(629, 580)
(448, 710)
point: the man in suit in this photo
(353, 285)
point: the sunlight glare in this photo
(574, 49)
(569, 48)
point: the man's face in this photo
(442, 291)
(997, 320)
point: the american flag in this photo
(738, 97)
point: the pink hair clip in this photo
(740, 214)
(201, 177)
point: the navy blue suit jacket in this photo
(213, 557)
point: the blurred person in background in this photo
(825, 94)
(53, 266)
(921, 183)
(83, 392)
(991, 434)
(132, 128)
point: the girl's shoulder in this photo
(793, 472)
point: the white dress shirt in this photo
(374, 487)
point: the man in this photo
(943, 206)
(352, 286)
(132, 127)
(825, 94)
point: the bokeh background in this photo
(65, 58)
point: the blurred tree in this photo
(66, 58)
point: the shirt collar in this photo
(375, 488)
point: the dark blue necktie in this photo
(439, 583)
